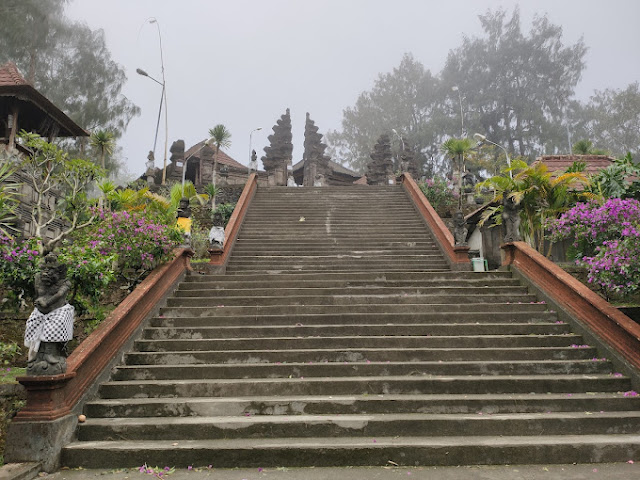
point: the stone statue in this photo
(184, 219)
(460, 229)
(150, 160)
(253, 165)
(50, 325)
(510, 218)
(380, 168)
(408, 162)
(216, 234)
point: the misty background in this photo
(242, 63)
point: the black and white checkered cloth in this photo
(56, 326)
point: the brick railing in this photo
(220, 259)
(52, 397)
(606, 321)
(457, 257)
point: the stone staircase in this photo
(339, 336)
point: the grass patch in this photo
(9, 374)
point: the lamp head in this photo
(480, 138)
(454, 88)
(139, 71)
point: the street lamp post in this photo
(163, 97)
(139, 71)
(206, 143)
(456, 89)
(483, 139)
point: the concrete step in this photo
(274, 283)
(478, 404)
(379, 276)
(397, 329)
(452, 309)
(357, 369)
(280, 269)
(337, 258)
(354, 451)
(362, 341)
(344, 290)
(421, 318)
(351, 298)
(379, 385)
(305, 426)
(360, 355)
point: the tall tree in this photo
(611, 120)
(67, 62)
(517, 86)
(406, 100)
(103, 142)
(221, 139)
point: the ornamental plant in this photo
(607, 242)
(18, 268)
(136, 243)
(439, 193)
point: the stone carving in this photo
(278, 155)
(380, 168)
(216, 235)
(50, 325)
(177, 151)
(253, 165)
(460, 229)
(316, 163)
(510, 218)
(149, 172)
(408, 161)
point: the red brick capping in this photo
(606, 321)
(218, 258)
(457, 256)
(52, 397)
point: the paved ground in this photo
(518, 472)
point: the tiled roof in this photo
(13, 84)
(559, 163)
(10, 75)
(223, 158)
(336, 167)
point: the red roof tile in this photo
(10, 75)
(559, 163)
(223, 158)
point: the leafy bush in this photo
(18, 268)
(225, 210)
(90, 273)
(440, 195)
(8, 352)
(135, 243)
(607, 242)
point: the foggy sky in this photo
(243, 62)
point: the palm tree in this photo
(107, 187)
(212, 191)
(104, 142)
(456, 149)
(222, 139)
(540, 195)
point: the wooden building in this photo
(22, 107)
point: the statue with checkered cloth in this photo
(50, 325)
